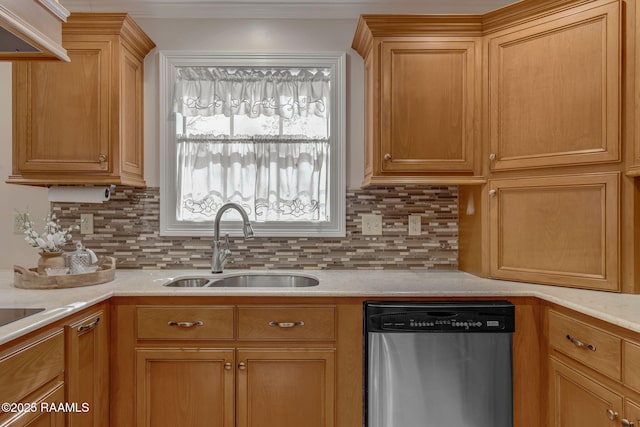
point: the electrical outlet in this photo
(18, 223)
(415, 225)
(86, 223)
(371, 225)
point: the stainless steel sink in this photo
(188, 282)
(249, 280)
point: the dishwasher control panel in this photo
(454, 316)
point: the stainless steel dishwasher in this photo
(438, 364)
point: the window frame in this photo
(336, 61)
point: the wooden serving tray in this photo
(31, 279)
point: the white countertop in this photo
(619, 309)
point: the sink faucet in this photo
(220, 255)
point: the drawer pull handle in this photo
(242, 366)
(581, 344)
(227, 366)
(186, 324)
(286, 324)
(89, 326)
(611, 414)
(626, 423)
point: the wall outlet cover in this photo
(86, 223)
(415, 225)
(371, 225)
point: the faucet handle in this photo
(226, 241)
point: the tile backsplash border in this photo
(127, 227)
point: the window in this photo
(263, 130)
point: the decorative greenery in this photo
(53, 237)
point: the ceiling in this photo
(298, 9)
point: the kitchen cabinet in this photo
(556, 229)
(242, 363)
(422, 102)
(32, 375)
(87, 368)
(578, 401)
(555, 89)
(31, 29)
(97, 137)
(593, 373)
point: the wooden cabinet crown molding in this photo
(370, 26)
(31, 29)
(117, 24)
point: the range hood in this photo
(32, 29)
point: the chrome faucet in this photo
(220, 255)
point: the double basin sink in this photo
(244, 281)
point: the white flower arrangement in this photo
(53, 237)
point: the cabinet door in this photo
(554, 90)
(631, 414)
(87, 374)
(428, 105)
(286, 387)
(61, 117)
(185, 387)
(578, 401)
(131, 114)
(557, 229)
(49, 417)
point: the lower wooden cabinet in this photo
(286, 387)
(190, 387)
(576, 400)
(40, 418)
(32, 377)
(242, 363)
(87, 369)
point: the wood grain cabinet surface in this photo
(87, 369)
(32, 374)
(81, 122)
(252, 365)
(422, 101)
(554, 89)
(557, 230)
(593, 372)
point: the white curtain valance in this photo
(209, 91)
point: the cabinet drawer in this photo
(287, 323)
(591, 346)
(188, 322)
(28, 369)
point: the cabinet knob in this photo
(227, 366)
(492, 156)
(242, 366)
(492, 193)
(611, 414)
(626, 423)
(387, 157)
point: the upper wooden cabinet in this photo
(422, 101)
(560, 230)
(554, 89)
(31, 29)
(82, 122)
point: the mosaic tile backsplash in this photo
(127, 227)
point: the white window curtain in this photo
(277, 169)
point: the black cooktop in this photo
(8, 315)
